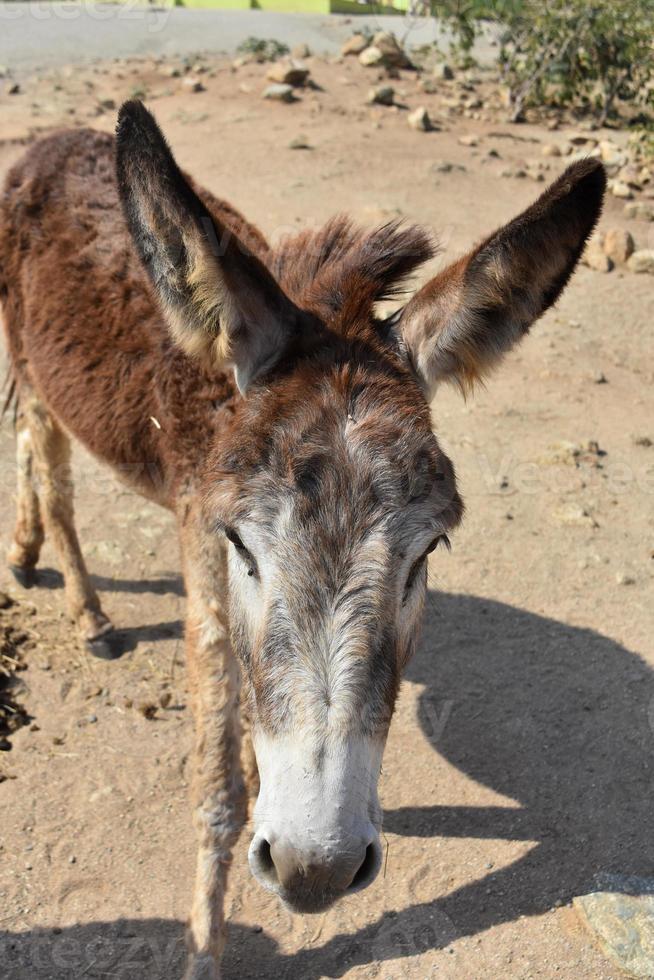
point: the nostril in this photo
(261, 861)
(368, 868)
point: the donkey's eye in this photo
(419, 563)
(232, 536)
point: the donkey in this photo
(293, 442)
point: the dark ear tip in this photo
(132, 116)
(588, 174)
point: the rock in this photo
(551, 150)
(371, 57)
(355, 44)
(623, 578)
(381, 95)
(574, 515)
(599, 378)
(644, 441)
(642, 261)
(419, 119)
(595, 257)
(14, 89)
(107, 104)
(193, 84)
(468, 139)
(393, 55)
(300, 143)
(301, 51)
(279, 93)
(287, 71)
(443, 71)
(611, 154)
(618, 245)
(5, 601)
(640, 210)
(619, 189)
(620, 914)
(445, 167)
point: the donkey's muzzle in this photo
(311, 879)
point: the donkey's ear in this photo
(221, 303)
(461, 323)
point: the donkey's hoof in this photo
(26, 577)
(107, 646)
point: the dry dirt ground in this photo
(519, 762)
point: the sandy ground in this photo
(519, 761)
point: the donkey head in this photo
(329, 482)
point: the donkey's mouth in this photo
(311, 883)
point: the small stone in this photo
(599, 378)
(620, 189)
(193, 84)
(551, 150)
(642, 261)
(468, 139)
(618, 245)
(5, 601)
(419, 119)
(445, 167)
(107, 104)
(371, 57)
(644, 441)
(279, 93)
(288, 72)
(14, 89)
(72, 859)
(299, 143)
(381, 95)
(574, 515)
(640, 210)
(355, 44)
(148, 710)
(594, 256)
(443, 71)
(301, 51)
(165, 698)
(623, 578)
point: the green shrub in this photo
(587, 54)
(262, 49)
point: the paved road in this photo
(44, 35)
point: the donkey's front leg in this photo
(218, 792)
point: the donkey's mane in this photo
(342, 266)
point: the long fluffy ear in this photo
(461, 323)
(221, 303)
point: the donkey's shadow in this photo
(558, 719)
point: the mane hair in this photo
(341, 270)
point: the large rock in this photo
(355, 44)
(618, 245)
(642, 261)
(385, 50)
(288, 71)
(620, 914)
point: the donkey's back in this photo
(84, 332)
